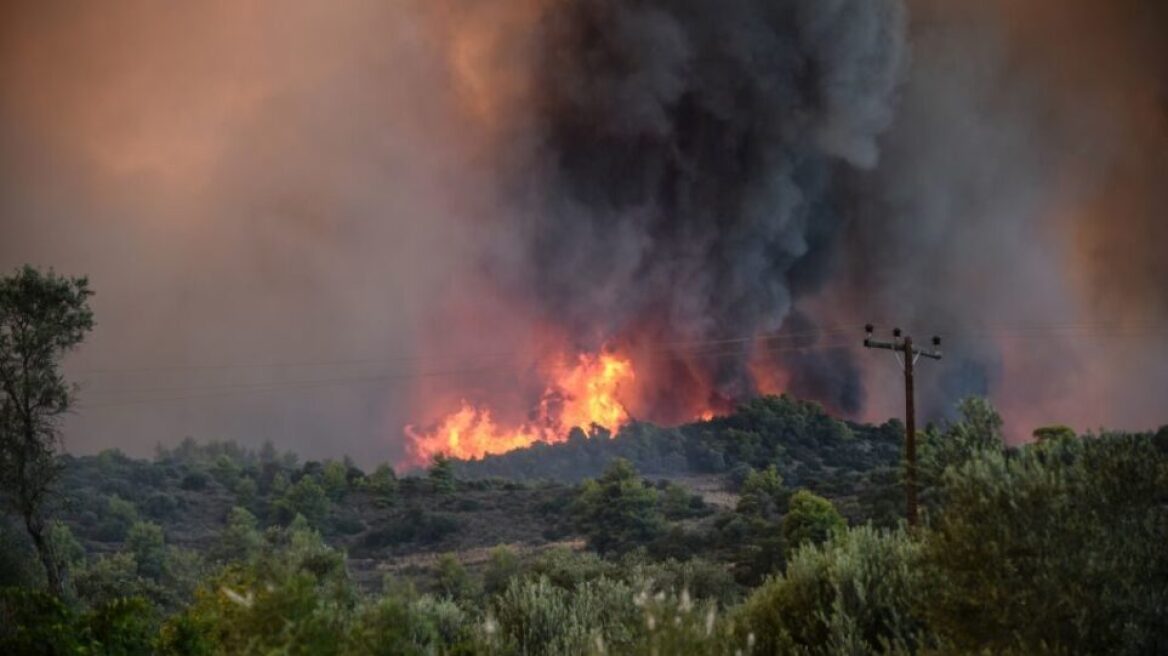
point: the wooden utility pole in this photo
(907, 355)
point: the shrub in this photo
(537, 617)
(618, 511)
(194, 481)
(857, 593)
(810, 520)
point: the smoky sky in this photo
(689, 156)
(296, 214)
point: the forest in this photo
(1054, 547)
(776, 529)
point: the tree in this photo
(451, 578)
(382, 483)
(305, 498)
(335, 478)
(240, 540)
(763, 494)
(148, 544)
(42, 316)
(442, 473)
(1055, 548)
(502, 566)
(857, 594)
(978, 430)
(754, 529)
(811, 519)
(618, 511)
(1053, 434)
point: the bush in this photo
(416, 525)
(810, 520)
(194, 481)
(857, 593)
(160, 506)
(1058, 547)
(536, 617)
(120, 515)
(502, 566)
(306, 498)
(618, 511)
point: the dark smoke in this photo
(689, 163)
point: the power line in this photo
(719, 348)
(990, 331)
(230, 389)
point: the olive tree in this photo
(42, 316)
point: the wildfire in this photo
(583, 393)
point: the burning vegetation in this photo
(584, 393)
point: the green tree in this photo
(306, 498)
(451, 578)
(335, 479)
(618, 511)
(294, 597)
(502, 566)
(810, 520)
(763, 494)
(280, 483)
(382, 483)
(978, 429)
(1056, 548)
(856, 594)
(42, 316)
(442, 473)
(120, 515)
(241, 539)
(1053, 434)
(68, 551)
(148, 545)
(246, 491)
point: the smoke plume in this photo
(687, 164)
(315, 223)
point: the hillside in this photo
(209, 545)
(520, 499)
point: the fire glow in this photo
(584, 392)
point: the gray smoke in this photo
(689, 160)
(354, 193)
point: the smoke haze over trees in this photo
(259, 190)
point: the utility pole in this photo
(907, 354)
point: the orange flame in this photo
(582, 394)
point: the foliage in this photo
(335, 480)
(42, 316)
(854, 594)
(451, 578)
(811, 520)
(537, 617)
(807, 445)
(502, 566)
(305, 498)
(148, 546)
(294, 596)
(38, 623)
(1053, 547)
(763, 495)
(1058, 547)
(442, 473)
(382, 483)
(618, 511)
(978, 430)
(1056, 433)
(241, 539)
(119, 516)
